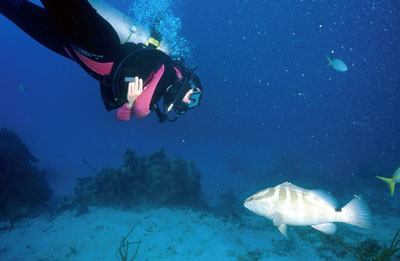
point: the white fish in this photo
(287, 204)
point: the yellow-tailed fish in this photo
(392, 181)
(288, 204)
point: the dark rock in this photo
(153, 179)
(22, 186)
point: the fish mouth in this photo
(247, 202)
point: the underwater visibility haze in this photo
(299, 96)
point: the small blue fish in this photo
(337, 64)
(21, 87)
(392, 181)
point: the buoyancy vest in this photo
(143, 63)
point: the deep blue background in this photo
(267, 91)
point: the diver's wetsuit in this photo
(75, 30)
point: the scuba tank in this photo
(126, 29)
(123, 25)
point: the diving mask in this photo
(183, 95)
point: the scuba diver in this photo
(131, 63)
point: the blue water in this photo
(268, 95)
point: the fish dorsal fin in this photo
(293, 187)
(325, 196)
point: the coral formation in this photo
(153, 179)
(22, 186)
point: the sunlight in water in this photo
(145, 13)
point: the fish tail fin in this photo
(390, 182)
(329, 60)
(357, 213)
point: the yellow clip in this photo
(154, 42)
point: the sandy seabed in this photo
(174, 234)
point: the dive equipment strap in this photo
(155, 34)
(152, 42)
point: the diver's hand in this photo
(186, 98)
(134, 90)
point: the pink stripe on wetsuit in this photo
(141, 107)
(99, 68)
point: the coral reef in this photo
(153, 179)
(22, 186)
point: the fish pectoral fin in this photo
(277, 218)
(283, 229)
(327, 228)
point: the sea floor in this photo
(177, 233)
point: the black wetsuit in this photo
(74, 29)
